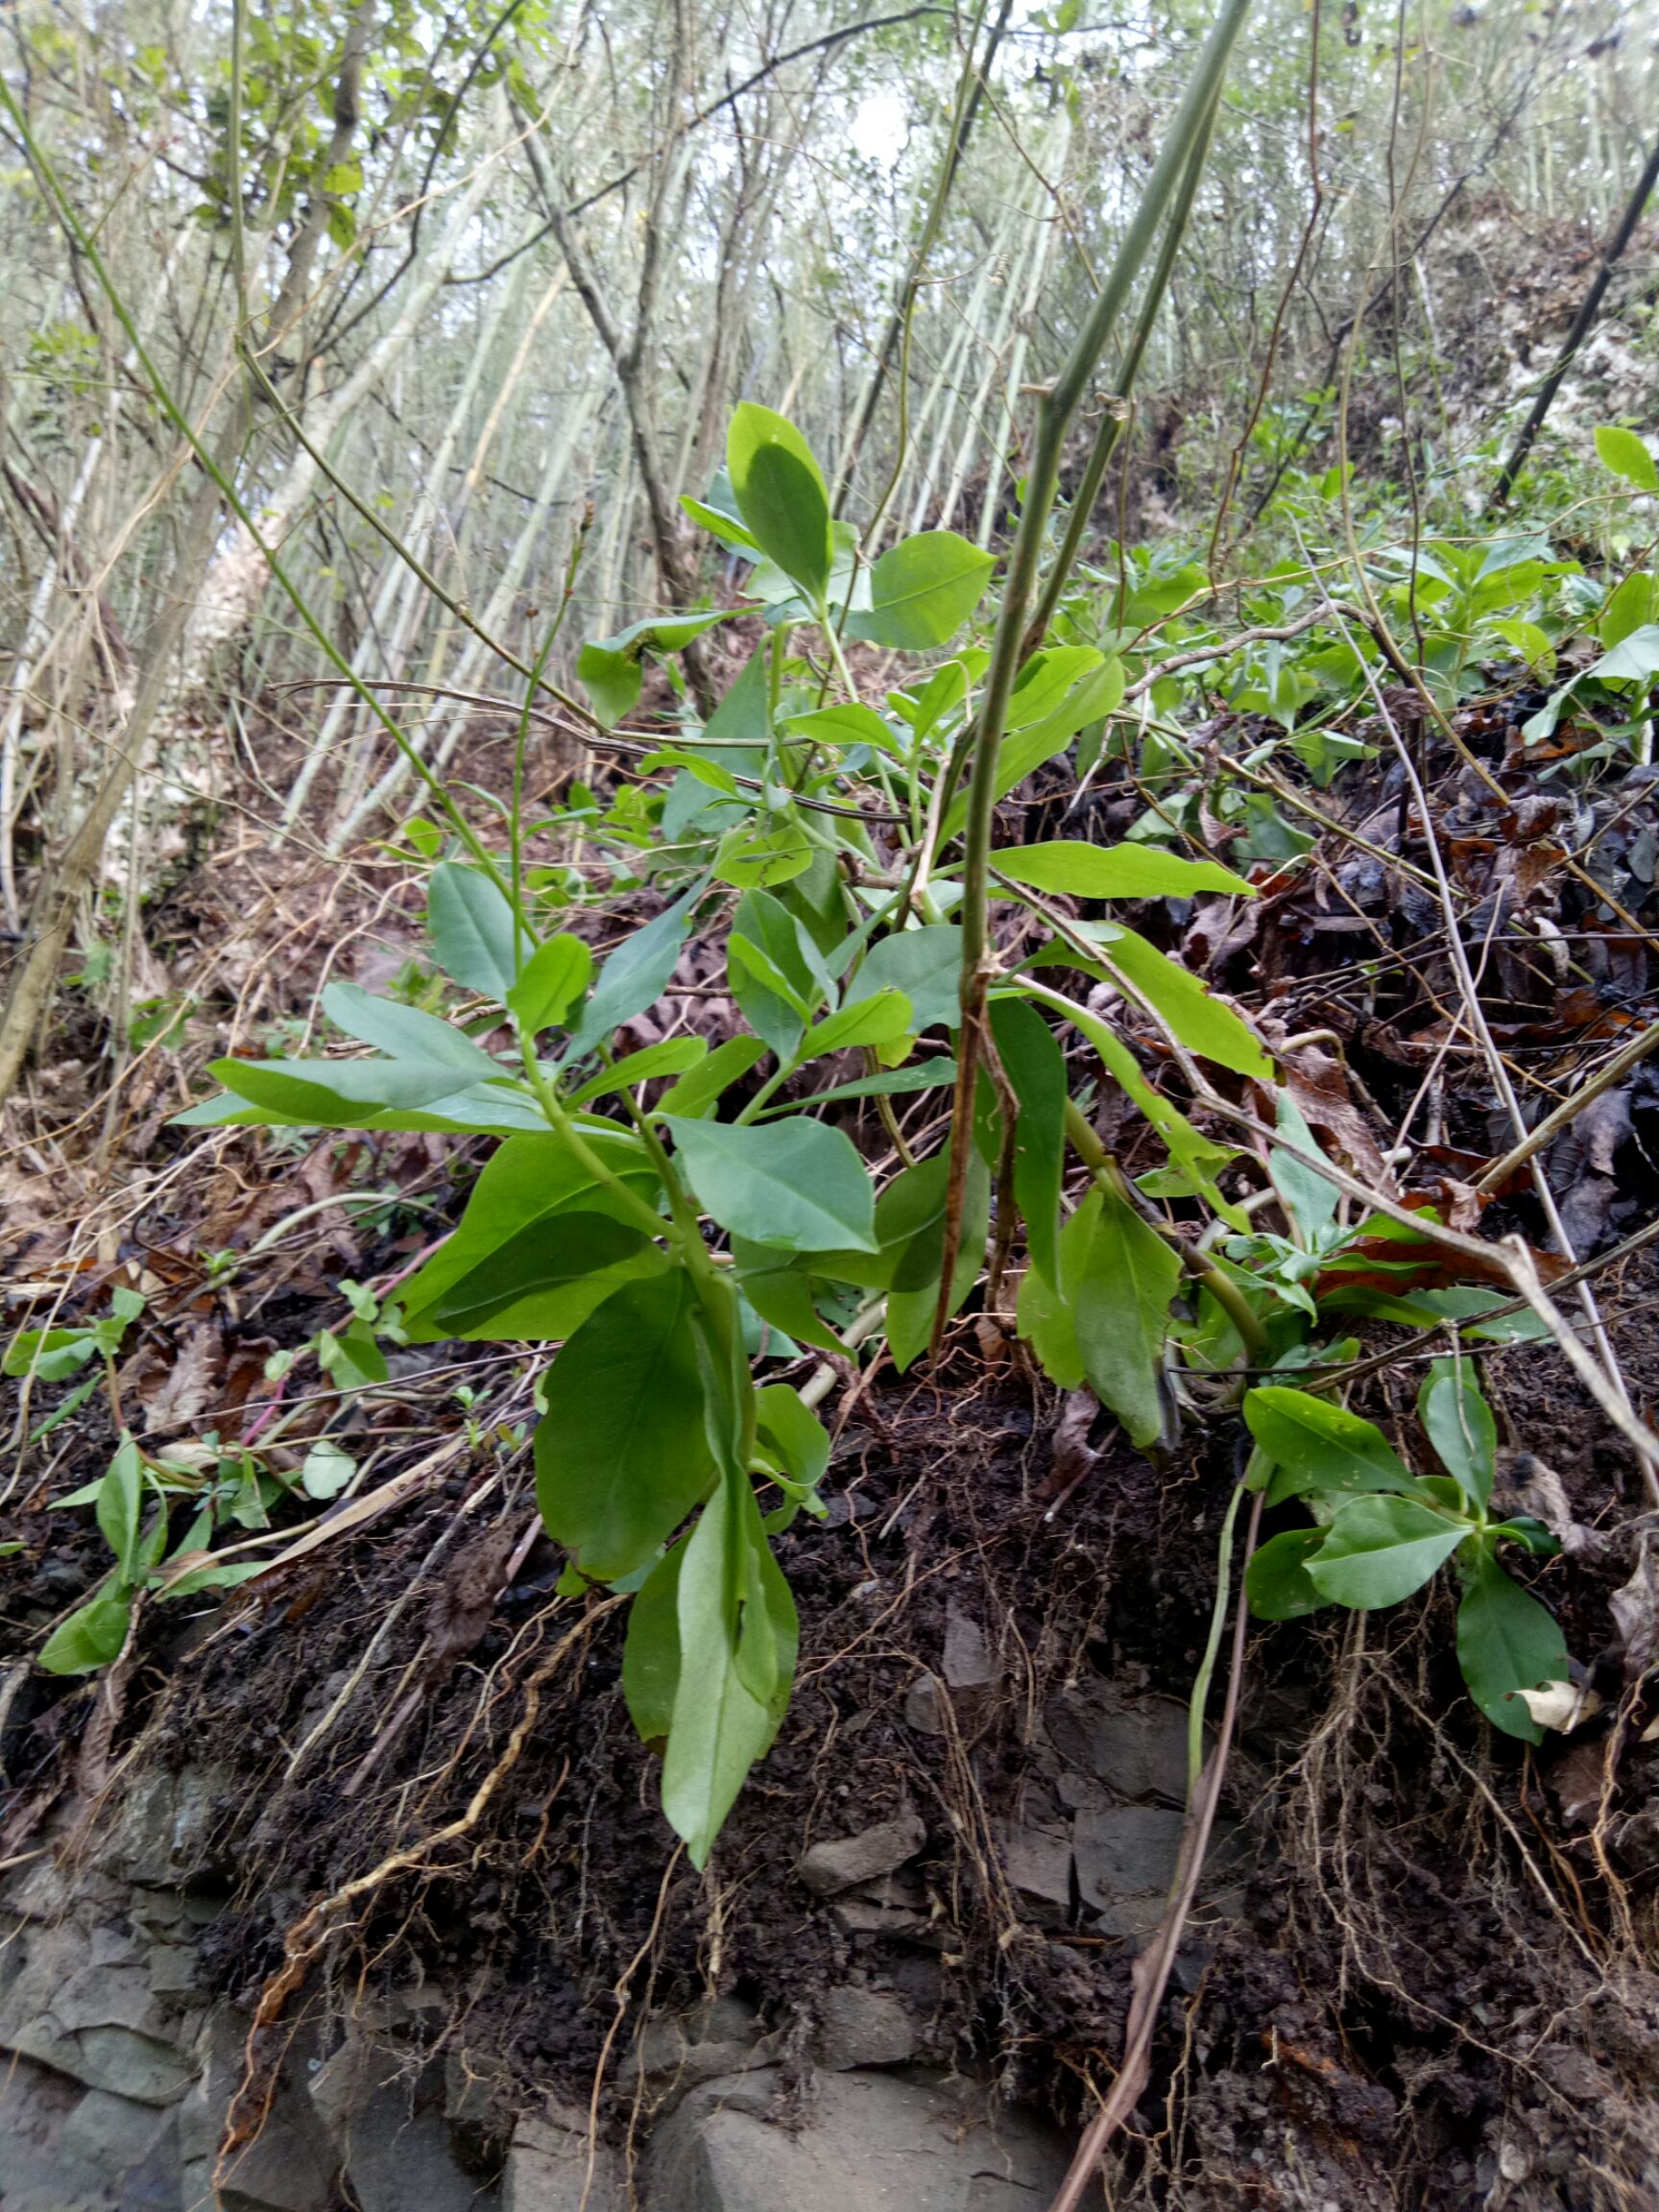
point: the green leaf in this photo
(550, 982)
(756, 853)
(92, 1636)
(731, 1598)
(342, 1093)
(921, 591)
(846, 725)
(1378, 1549)
(1036, 1069)
(1120, 1312)
(1086, 871)
(1308, 1197)
(635, 976)
(922, 1075)
(1059, 691)
(781, 1294)
(473, 938)
(910, 1222)
(1506, 1643)
(550, 1255)
(1277, 1582)
(726, 527)
(926, 964)
(1459, 1424)
(406, 1033)
(651, 1652)
(1634, 604)
(1317, 1446)
(1632, 660)
(1624, 452)
(795, 1185)
(673, 1056)
(623, 1452)
(880, 1020)
(695, 1094)
(1201, 1022)
(612, 669)
(798, 1440)
(54, 1353)
(327, 1469)
(120, 1501)
(530, 1180)
(780, 495)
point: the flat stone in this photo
(67, 2149)
(290, 2166)
(1138, 1747)
(170, 1968)
(827, 1868)
(1124, 1850)
(967, 1675)
(870, 2143)
(162, 1832)
(863, 2028)
(1038, 1864)
(548, 2167)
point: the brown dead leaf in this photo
(178, 1395)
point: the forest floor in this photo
(1416, 1976)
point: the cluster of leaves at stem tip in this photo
(680, 1220)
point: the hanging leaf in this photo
(1458, 1421)
(780, 495)
(921, 591)
(911, 1224)
(1200, 1021)
(926, 964)
(1627, 455)
(1277, 1582)
(651, 1652)
(612, 669)
(550, 1256)
(474, 936)
(1046, 1316)
(92, 1636)
(119, 1506)
(635, 976)
(1036, 1069)
(699, 1091)
(1120, 1312)
(795, 1185)
(1506, 1643)
(622, 1453)
(1378, 1549)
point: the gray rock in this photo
(1138, 1747)
(291, 2164)
(67, 2149)
(863, 2028)
(872, 2143)
(1038, 1862)
(1125, 1857)
(162, 1834)
(384, 2115)
(548, 2166)
(969, 1674)
(169, 1969)
(828, 1868)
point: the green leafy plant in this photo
(1381, 1532)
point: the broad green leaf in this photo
(91, 1637)
(1634, 604)
(799, 1439)
(53, 1354)
(1033, 738)
(1036, 1069)
(1634, 660)
(651, 1652)
(485, 1109)
(406, 1033)
(673, 1056)
(1459, 1422)
(696, 1093)
(732, 1600)
(780, 495)
(635, 976)
(623, 1452)
(1378, 1549)
(1627, 455)
(844, 726)
(342, 1093)
(926, 964)
(1506, 1643)
(612, 668)
(1120, 1312)
(1533, 645)
(530, 1180)
(1201, 1022)
(1046, 1316)
(781, 1294)
(795, 1185)
(351, 1360)
(474, 939)
(549, 1255)
(921, 591)
(1086, 871)
(726, 527)
(768, 849)
(326, 1470)
(120, 1503)
(1317, 1446)
(550, 983)
(880, 1020)
(1277, 1583)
